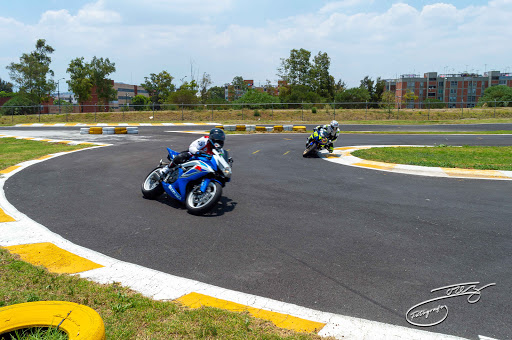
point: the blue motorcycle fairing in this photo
(203, 165)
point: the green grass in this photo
(15, 151)
(36, 333)
(466, 157)
(265, 115)
(126, 314)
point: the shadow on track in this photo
(223, 206)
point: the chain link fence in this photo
(251, 112)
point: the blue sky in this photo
(228, 38)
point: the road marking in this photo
(5, 218)
(9, 169)
(256, 151)
(286, 153)
(196, 300)
(53, 258)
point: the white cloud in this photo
(399, 39)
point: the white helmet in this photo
(334, 124)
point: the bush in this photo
(313, 109)
(140, 102)
(256, 113)
(19, 105)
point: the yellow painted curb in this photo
(457, 172)
(78, 321)
(220, 127)
(5, 218)
(9, 169)
(299, 128)
(196, 300)
(260, 128)
(240, 128)
(43, 157)
(278, 128)
(55, 259)
(376, 165)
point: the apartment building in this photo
(457, 90)
(125, 93)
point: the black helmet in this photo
(217, 137)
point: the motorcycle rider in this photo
(331, 130)
(202, 145)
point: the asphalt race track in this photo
(346, 240)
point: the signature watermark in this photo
(431, 312)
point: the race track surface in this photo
(339, 239)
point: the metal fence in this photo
(254, 112)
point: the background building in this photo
(457, 90)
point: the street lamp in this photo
(58, 91)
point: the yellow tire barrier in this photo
(240, 128)
(278, 128)
(78, 321)
(95, 130)
(260, 128)
(120, 130)
(299, 128)
(220, 127)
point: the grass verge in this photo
(126, 314)
(15, 151)
(466, 157)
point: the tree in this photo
(299, 94)
(339, 87)
(256, 97)
(5, 86)
(80, 82)
(388, 100)
(367, 83)
(205, 82)
(18, 105)
(31, 73)
(357, 96)
(380, 87)
(321, 81)
(100, 70)
(140, 102)
(500, 95)
(216, 94)
(159, 86)
(409, 97)
(296, 69)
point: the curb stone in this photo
(343, 155)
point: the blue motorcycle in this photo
(315, 143)
(198, 182)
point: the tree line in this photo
(307, 79)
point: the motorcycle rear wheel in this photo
(152, 187)
(309, 151)
(198, 203)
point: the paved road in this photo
(351, 241)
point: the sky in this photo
(229, 38)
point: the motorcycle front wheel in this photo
(198, 202)
(309, 150)
(152, 187)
